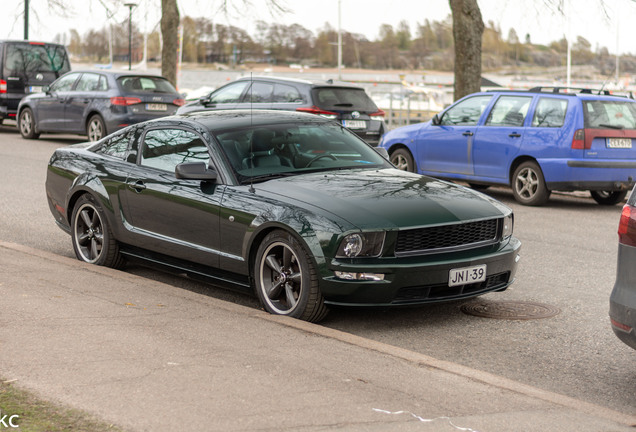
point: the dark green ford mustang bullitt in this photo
(290, 205)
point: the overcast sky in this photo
(539, 18)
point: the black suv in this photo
(346, 103)
(27, 67)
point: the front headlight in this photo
(361, 245)
(508, 225)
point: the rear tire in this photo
(403, 160)
(528, 185)
(608, 197)
(95, 128)
(286, 279)
(92, 238)
(26, 124)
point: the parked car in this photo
(27, 67)
(291, 206)
(96, 103)
(535, 141)
(623, 298)
(348, 104)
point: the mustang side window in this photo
(550, 112)
(116, 146)
(164, 149)
(509, 111)
(466, 112)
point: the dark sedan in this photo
(290, 205)
(623, 298)
(96, 103)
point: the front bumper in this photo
(420, 279)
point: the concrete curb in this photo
(418, 359)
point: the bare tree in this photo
(169, 32)
(468, 28)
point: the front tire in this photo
(95, 129)
(26, 124)
(403, 160)
(92, 238)
(528, 185)
(608, 197)
(286, 279)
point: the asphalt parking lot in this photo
(568, 263)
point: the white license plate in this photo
(156, 107)
(467, 275)
(34, 89)
(354, 124)
(625, 143)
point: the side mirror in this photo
(194, 171)
(46, 89)
(436, 120)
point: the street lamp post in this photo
(130, 7)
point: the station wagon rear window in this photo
(343, 99)
(609, 114)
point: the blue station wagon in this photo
(535, 141)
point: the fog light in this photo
(359, 276)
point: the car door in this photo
(89, 88)
(176, 217)
(51, 108)
(445, 147)
(498, 140)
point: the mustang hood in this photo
(385, 198)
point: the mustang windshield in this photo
(263, 151)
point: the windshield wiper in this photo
(265, 177)
(611, 126)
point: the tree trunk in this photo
(170, 35)
(468, 28)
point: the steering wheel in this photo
(320, 156)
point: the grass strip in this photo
(31, 414)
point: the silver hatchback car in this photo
(623, 298)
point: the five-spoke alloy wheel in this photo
(92, 240)
(403, 160)
(528, 185)
(95, 129)
(286, 279)
(26, 124)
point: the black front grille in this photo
(438, 292)
(447, 237)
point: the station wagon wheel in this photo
(528, 185)
(286, 279)
(403, 160)
(95, 129)
(26, 123)
(608, 197)
(93, 240)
